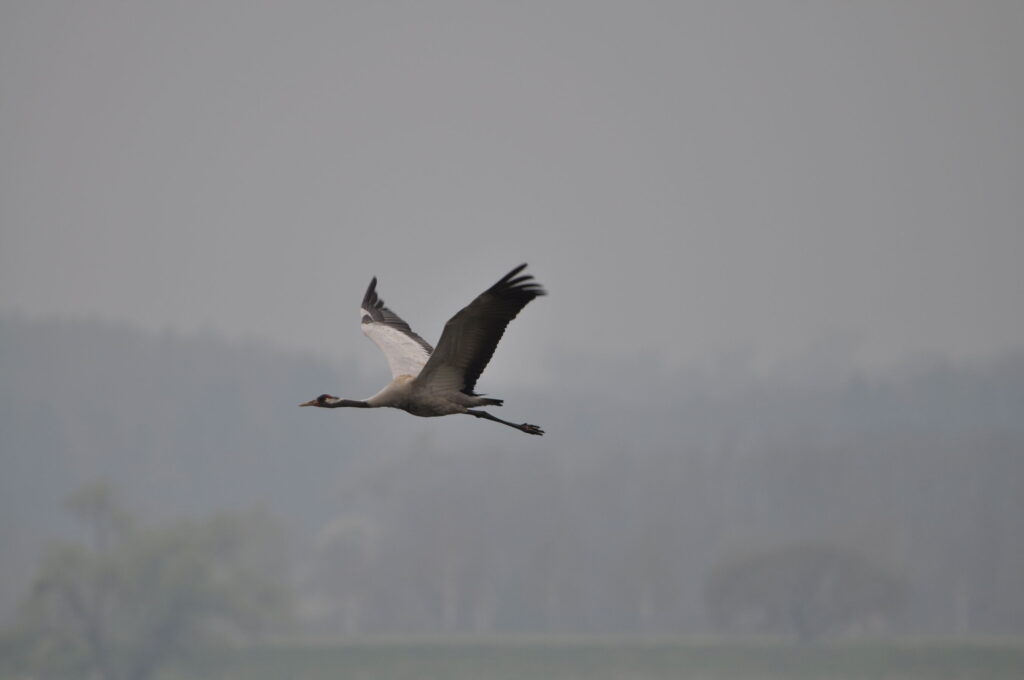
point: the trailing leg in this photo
(524, 427)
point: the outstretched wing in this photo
(405, 351)
(470, 337)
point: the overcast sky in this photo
(686, 178)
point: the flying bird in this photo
(431, 382)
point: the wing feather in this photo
(471, 336)
(405, 351)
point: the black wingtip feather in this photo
(377, 312)
(370, 297)
(516, 271)
(513, 286)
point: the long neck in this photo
(355, 403)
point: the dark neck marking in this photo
(348, 402)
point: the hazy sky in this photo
(685, 177)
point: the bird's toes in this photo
(531, 429)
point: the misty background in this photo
(782, 245)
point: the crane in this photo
(430, 382)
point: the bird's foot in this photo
(531, 429)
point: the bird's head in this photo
(323, 401)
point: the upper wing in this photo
(469, 337)
(405, 351)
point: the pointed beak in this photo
(309, 403)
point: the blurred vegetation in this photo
(810, 589)
(131, 597)
(610, 658)
(649, 480)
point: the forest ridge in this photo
(615, 523)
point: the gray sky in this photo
(685, 178)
